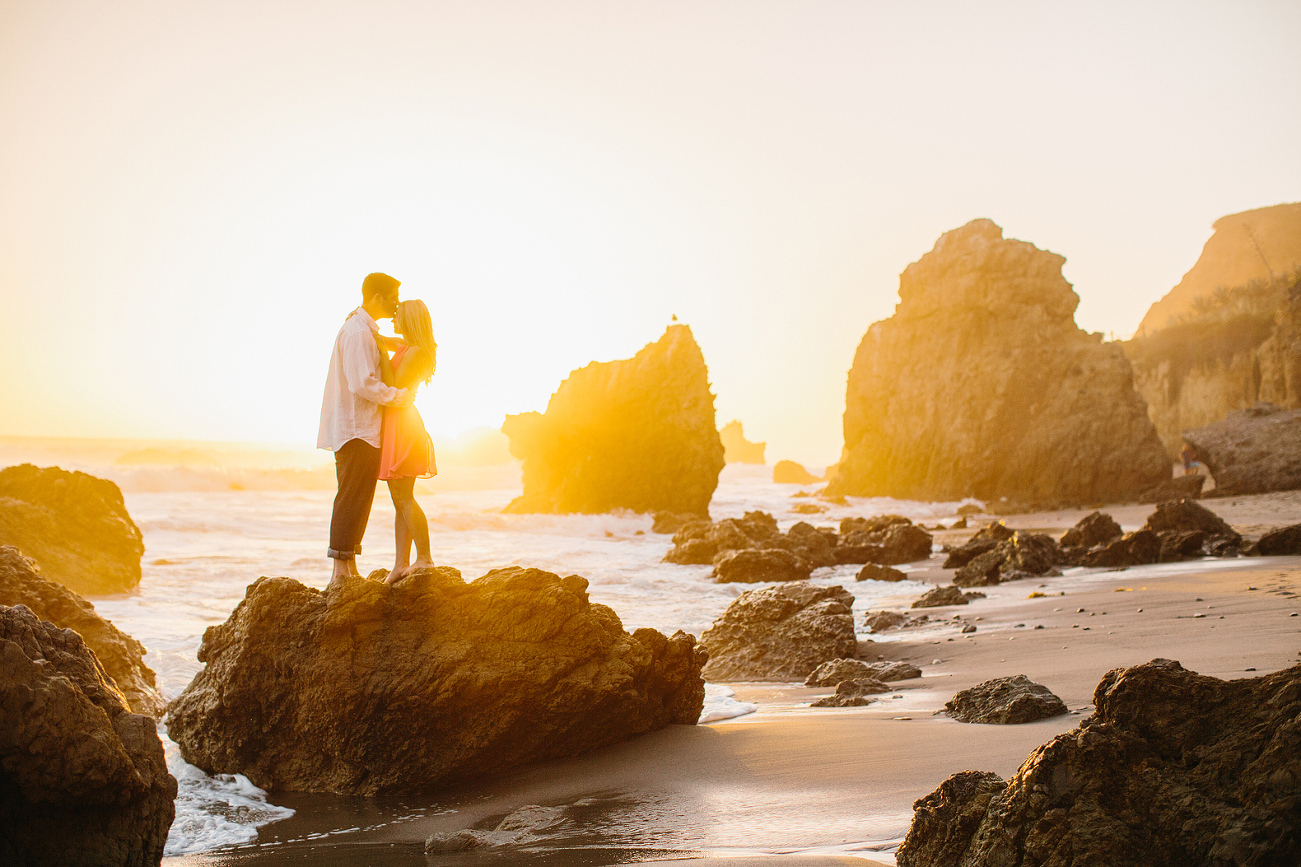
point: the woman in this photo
(406, 452)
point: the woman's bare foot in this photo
(396, 575)
(422, 563)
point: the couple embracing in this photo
(369, 422)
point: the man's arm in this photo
(360, 364)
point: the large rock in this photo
(791, 473)
(121, 655)
(1280, 542)
(1252, 451)
(371, 689)
(752, 566)
(1173, 770)
(1093, 529)
(736, 448)
(1004, 701)
(633, 434)
(74, 525)
(938, 597)
(1229, 334)
(981, 385)
(780, 633)
(1181, 516)
(83, 781)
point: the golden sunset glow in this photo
(190, 194)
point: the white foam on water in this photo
(720, 703)
(203, 548)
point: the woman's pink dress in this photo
(406, 451)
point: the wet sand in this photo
(790, 784)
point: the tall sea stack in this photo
(633, 434)
(982, 385)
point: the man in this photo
(350, 418)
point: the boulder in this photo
(751, 566)
(84, 780)
(791, 473)
(891, 671)
(833, 671)
(1131, 549)
(1281, 542)
(873, 572)
(671, 522)
(21, 583)
(780, 633)
(1177, 488)
(1174, 769)
(373, 689)
(880, 621)
(875, 524)
(852, 555)
(1004, 701)
(852, 693)
(697, 552)
(736, 448)
(635, 434)
(1029, 554)
(905, 543)
(1093, 529)
(1184, 515)
(74, 525)
(964, 554)
(981, 385)
(983, 571)
(947, 595)
(1251, 451)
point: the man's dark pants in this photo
(356, 464)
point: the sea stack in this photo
(636, 434)
(981, 385)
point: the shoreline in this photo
(788, 783)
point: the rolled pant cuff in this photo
(342, 555)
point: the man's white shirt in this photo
(354, 392)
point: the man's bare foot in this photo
(343, 569)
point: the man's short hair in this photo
(379, 284)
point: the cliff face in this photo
(1262, 244)
(633, 434)
(1239, 345)
(736, 448)
(982, 385)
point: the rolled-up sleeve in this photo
(361, 366)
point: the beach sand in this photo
(790, 784)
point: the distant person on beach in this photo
(406, 451)
(350, 418)
(1188, 455)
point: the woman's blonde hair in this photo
(412, 319)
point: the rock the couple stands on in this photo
(368, 421)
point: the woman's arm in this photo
(414, 367)
(392, 344)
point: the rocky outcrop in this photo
(750, 566)
(74, 525)
(736, 448)
(1252, 451)
(1280, 543)
(888, 539)
(84, 780)
(1229, 334)
(374, 689)
(834, 671)
(121, 655)
(947, 595)
(1092, 530)
(791, 473)
(1174, 769)
(981, 385)
(873, 572)
(1004, 701)
(635, 434)
(780, 633)
(852, 693)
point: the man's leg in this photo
(356, 467)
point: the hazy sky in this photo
(190, 193)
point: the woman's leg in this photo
(403, 493)
(419, 530)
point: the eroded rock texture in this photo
(1174, 769)
(982, 385)
(370, 689)
(74, 525)
(632, 434)
(1252, 451)
(1004, 701)
(780, 633)
(83, 781)
(120, 654)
